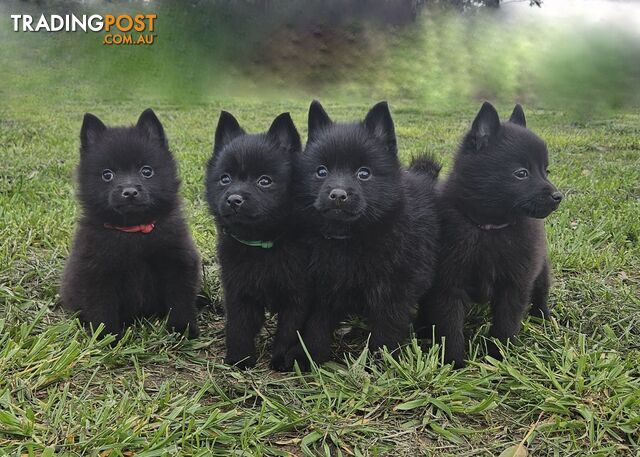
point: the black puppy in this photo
(262, 259)
(372, 229)
(493, 244)
(132, 255)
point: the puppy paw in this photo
(493, 350)
(293, 355)
(303, 364)
(457, 363)
(280, 362)
(190, 328)
(542, 313)
(423, 333)
(241, 363)
(454, 356)
(194, 331)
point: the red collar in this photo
(144, 228)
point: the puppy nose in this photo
(557, 196)
(130, 192)
(338, 195)
(235, 200)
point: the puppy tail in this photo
(425, 165)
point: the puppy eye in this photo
(363, 173)
(107, 175)
(322, 172)
(146, 171)
(225, 179)
(522, 173)
(264, 181)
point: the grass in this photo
(569, 387)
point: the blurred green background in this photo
(581, 57)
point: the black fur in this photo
(426, 165)
(372, 232)
(113, 277)
(255, 278)
(493, 244)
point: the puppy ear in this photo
(379, 123)
(318, 119)
(92, 129)
(150, 124)
(227, 129)
(485, 126)
(517, 117)
(284, 131)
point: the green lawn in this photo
(569, 387)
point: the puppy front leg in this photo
(96, 298)
(540, 294)
(389, 326)
(507, 308)
(424, 321)
(179, 284)
(102, 311)
(447, 311)
(291, 320)
(244, 319)
(317, 337)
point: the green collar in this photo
(254, 243)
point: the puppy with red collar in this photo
(132, 256)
